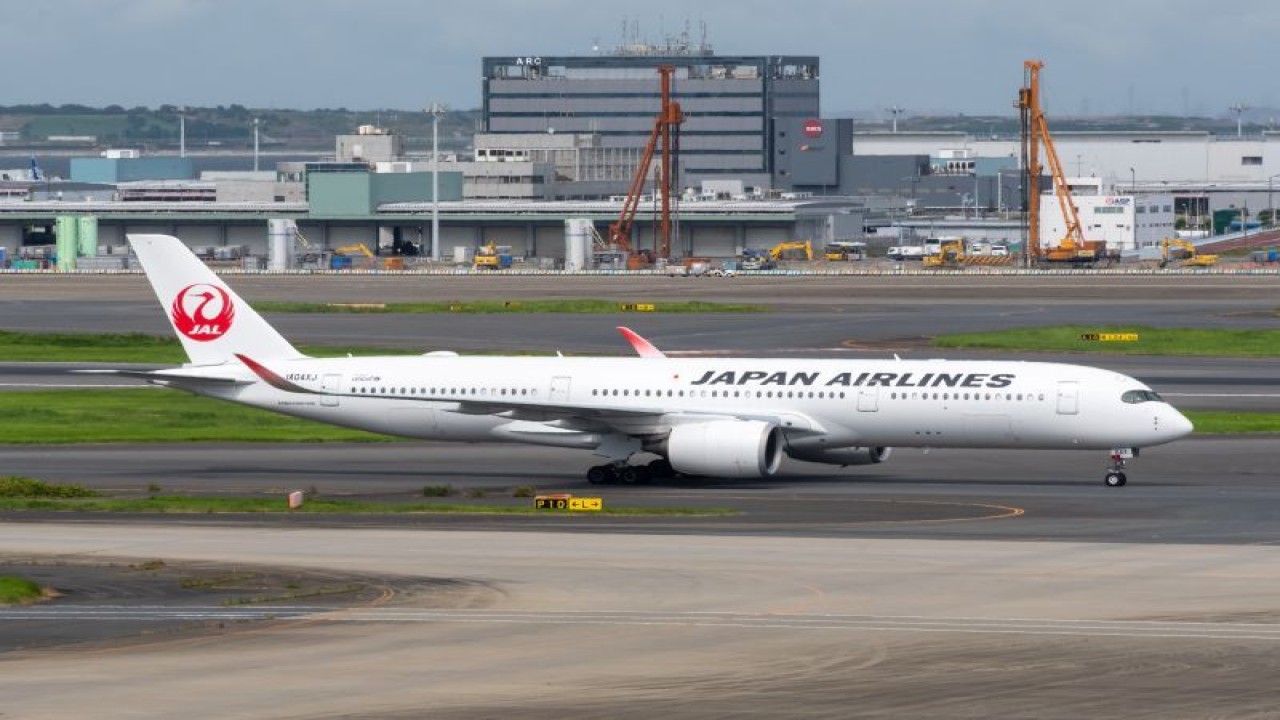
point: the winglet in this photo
(643, 348)
(271, 378)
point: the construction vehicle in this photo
(1177, 249)
(1072, 247)
(665, 137)
(752, 259)
(792, 250)
(950, 253)
(342, 256)
(492, 257)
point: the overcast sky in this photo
(927, 56)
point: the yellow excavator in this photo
(1177, 249)
(792, 250)
(342, 256)
(950, 254)
(493, 257)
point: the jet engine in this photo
(725, 448)
(841, 455)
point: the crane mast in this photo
(665, 138)
(1035, 132)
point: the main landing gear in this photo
(621, 472)
(1115, 476)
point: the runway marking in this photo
(709, 619)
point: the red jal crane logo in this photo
(202, 312)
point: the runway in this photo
(940, 584)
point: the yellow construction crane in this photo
(1072, 247)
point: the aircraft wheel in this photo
(661, 468)
(634, 474)
(601, 475)
(1116, 478)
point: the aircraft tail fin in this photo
(211, 320)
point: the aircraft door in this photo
(330, 384)
(560, 389)
(868, 399)
(1068, 397)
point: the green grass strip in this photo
(1151, 341)
(578, 306)
(53, 417)
(1219, 422)
(18, 591)
(132, 348)
(201, 505)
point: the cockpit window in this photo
(1140, 396)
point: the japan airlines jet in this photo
(730, 418)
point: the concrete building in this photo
(1204, 172)
(242, 186)
(731, 102)
(535, 230)
(370, 144)
(117, 166)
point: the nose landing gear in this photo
(1115, 476)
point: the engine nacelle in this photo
(842, 455)
(725, 448)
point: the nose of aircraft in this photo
(1174, 425)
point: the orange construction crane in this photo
(1072, 247)
(666, 127)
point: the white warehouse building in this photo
(1124, 222)
(1117, 158)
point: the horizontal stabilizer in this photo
(172, 376)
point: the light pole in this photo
(1271, 208)
(1239, 109)
(896, 111)
(1133, 181)
(437, 111)
(182, 132)
(255, 144)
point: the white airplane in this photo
(723, 417)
